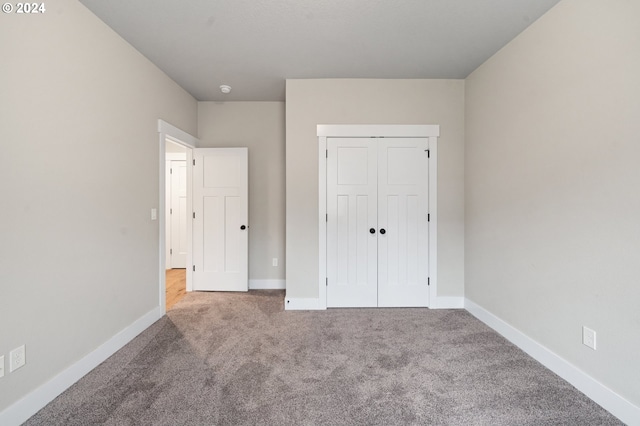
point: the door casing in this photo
(431, 132)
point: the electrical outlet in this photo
(589, 338)
(1, 365)
(274, 262)
(17, 358)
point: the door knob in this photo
(243, 227)
(373, 231)
(382, 231)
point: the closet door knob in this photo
(382, 231)
(372, 231)
(243, 227)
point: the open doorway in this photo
(175, 230)
(176, 215)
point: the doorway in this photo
(377, 222)
(176, 212)
(367, 139)
(172, 139)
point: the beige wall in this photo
(260, 127)
(553, 186)
(362, 101)
(78, 177)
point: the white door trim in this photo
(431, 132)
(166, 132)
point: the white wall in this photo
(260, 127)
(553, 186)
(78, 177)
(363, 101)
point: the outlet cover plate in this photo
(17, 358)
(589, 337)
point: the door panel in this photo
(220, 194)
(213, 222)
(352, 211)
(233, 242)
(403, 205)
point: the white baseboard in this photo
(310, 304)
(26, 407)
(448, 302)
(602, 395)
(267, 284)
(303, 304)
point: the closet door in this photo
(403, 184)
(377, 222)
(351, 216)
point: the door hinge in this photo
(326, 282)
(194, 215)
(170, 171)
(428, 217)
(170, 211)
(326, 153)
(327, 217)
(194, 268)
(170, 251)
(428, 281)
(194, 161)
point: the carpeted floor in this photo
(239, 359)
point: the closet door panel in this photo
(402, 213)
(351, 214)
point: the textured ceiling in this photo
(254, 45)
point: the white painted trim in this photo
(377, 130)
(304, 304)
(433, 223)
(602, 395)
(189, 222)
(34, 401)
(429, 131)
(448, 302)
(169, 132)
(322, 222)
(267, 284)
(181, 137)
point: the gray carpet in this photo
(239, 359)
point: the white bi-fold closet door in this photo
(377, 222)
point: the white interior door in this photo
(403, 239)
(178, 214)
(351, 214)
(377, 222)
(220, 222)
